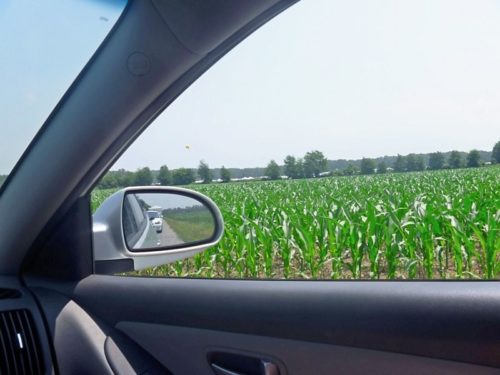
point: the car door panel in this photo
(411, 322)
(86, 345)
(187, 351)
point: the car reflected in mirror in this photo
(143, 226)
(153, 220)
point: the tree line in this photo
(145, 176)
(414, 163)
(313, 164)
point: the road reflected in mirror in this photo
(161, 220)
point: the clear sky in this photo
(349, 78)
(43, 47)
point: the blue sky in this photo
(45, 44)
(350, 78)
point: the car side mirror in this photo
(142, 227)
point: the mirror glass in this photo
(159, 220)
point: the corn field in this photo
(426, 225)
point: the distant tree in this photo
(300, 168)
(455, 160)
(495, 154)
(143, 177)
(473, 159)
(436, 160)
(399, 164)
(291, 167)
(367, 166)
(183, 176)
(225, 175)
(204, 172)
(411, 163)
(381, 167)
(116, 179)
(109, 181)
(124, 178)
(273, 170)
(314, 163)
(350, 170)
(164, 176)
(419, 163)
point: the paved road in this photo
(168, 237)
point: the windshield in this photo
(44, 47)
(153, 214)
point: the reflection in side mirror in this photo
(140, 227)
(162, 220)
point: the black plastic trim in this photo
(109, 267)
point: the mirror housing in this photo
(111, 251)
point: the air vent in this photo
(19, 346)
(9, 293)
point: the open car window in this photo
(345, 140)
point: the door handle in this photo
(270, 368)
(266, 368)
(219, 370)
